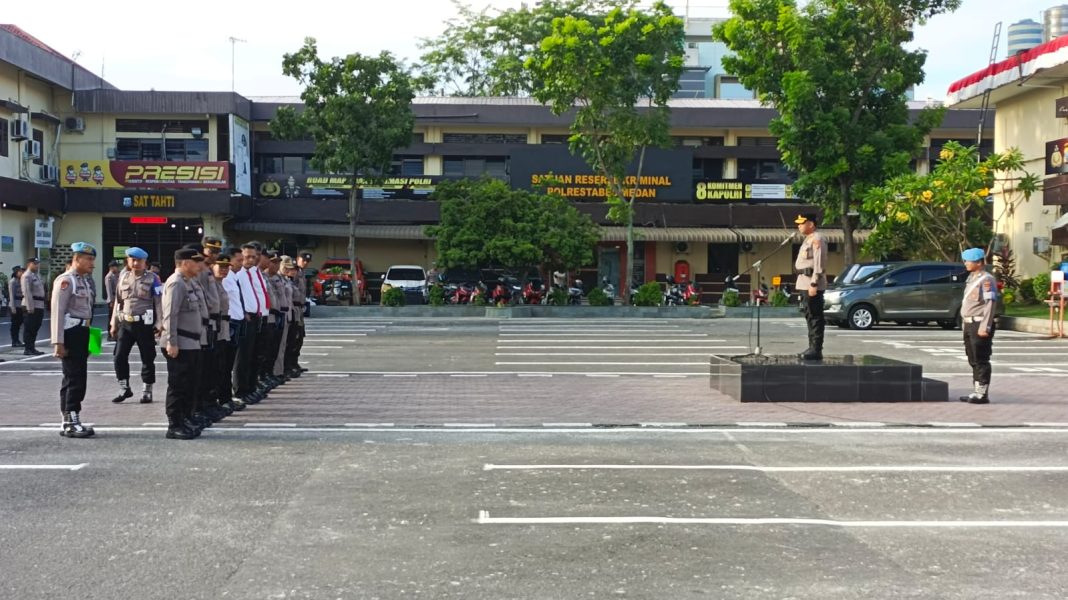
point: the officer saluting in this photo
(182, 324)
(811, 283)
(134, 320)
(977, 316)
(72, 308)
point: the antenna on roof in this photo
(233, 45)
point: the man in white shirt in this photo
(254, 307)
(240, 302)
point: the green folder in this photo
(95, 335)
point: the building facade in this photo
(160, 169)
(1030, 93)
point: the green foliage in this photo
(481, 53)
(942, 213)
(357, 109)
(487, 223)
(1008, 296)
(1040, 285)
(393, 297)
(650, 294)
(837, 72)
(731, 298)
(436, 296)
(1005, 267)
(616, 71)
(1027, 291)
(558, 297)
(597, 297)
(780, 298)
(480, 300)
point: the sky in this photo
(185, 45)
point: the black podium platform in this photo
(848, 378)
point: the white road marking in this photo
(485, 519)
(762, 424)
(324, 347)
(1046, 424)
(600, 353)
(598, 341)
(400, 375)
(601, 375)
(785, 469)
(534, 374)
(951, 424)
(857, 424)
(567, 424)
(42, 467)
(468, 375)
(368, 424)
(601, 334)
(669, 376)
(470, 425)
(792, 431)
(317, 341)
(569, 331)
(500, 347)
(270, 425)
(331, 374)
(661, 364)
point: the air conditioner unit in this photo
(1040, 245)
(75, 124)
(32, 150)
(49, 173)
(20, 129)
(682, 248)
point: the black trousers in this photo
(812, 306)
(206, 394)
(75, 368)
(293, 341)
(267, 346)
(978, 350)
(145, 338)
(245, 360)
(183, 377)
(229, 358)
(32, 326)
(18, 315)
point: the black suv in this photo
(906, 292)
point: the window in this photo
(4, 143)
(760, 169)
(38, 136)
(406, 166)
(764, 142)
(484, 138)
(697, 141)
(942, 275)
(708, 168)
(909, 277)
(159, 126)
(473, 166)
(160, 149)
(418, 138)
(555, 138)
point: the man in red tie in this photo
(245, 365)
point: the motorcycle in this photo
(507, 291)
(461, 294)
(338, 290)
(691, 294)
(673, 295)
(534, 292)
(608, 289)
(575, 293)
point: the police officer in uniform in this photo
(811, 283)
(111, 280)
(284, 293)
(72, 309)
(221, 386)
(296, 323)
(208, 396)
(182, 329)
(135, 320)
(977, 317)
(15, 301)
(33, 301)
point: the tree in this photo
(358, 110)
(944, 212)
(837, 71)
(484, 222)
(481, 53)
(604, 68)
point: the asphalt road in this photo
(741, 513)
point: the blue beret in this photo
(136, 252)
(973, 255)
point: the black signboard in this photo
(1056, 153)
(338, 186)
(1062, 107)
(720, 191)
(667, 175)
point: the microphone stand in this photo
(759, 351)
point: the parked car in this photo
(904, 293)
(411, 279)
(333, 282)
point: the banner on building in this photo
(140, 174)
(731, 190)
(667, 175)
(338, 186)
(240, 155)
(42, 233)
(1057, 156)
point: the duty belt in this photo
(275, 312)
(215, 316)
(39, 298)
(189, 334)
(972, 319)
(79, 323)
(132, 318)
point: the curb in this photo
(520, 312)
(843, 426)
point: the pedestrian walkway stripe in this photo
(76, 467)
(761, 424)
(945, 424)
(789, 469)
(369, 424)
(799, 429)
(270, 425)
(485, 519)
(857, 424)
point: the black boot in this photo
(979, 396)
(73, 428)
(16, 342)
(176, 430)
(125, 393)
(146, 394)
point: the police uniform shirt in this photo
(72, 304)
(34, 291)
(980, 294)
(297, 299)
(211, 294)
(281, 299)
(134, 296)
(181, 320)
(14, 292)
(811, 263)
(224, 304)
(205, 316)
(111, 281)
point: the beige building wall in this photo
(1027, 122)
(37, 96)
(100, 135)
(18, 225)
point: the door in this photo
(723, 260)
(902, 294)
(944, 288)
(608, 267)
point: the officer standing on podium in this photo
(72, 309)
(977, 317)
(135, 320)
(811, 283)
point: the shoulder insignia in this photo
(816, 242)
(64, 284)
(986, 284)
